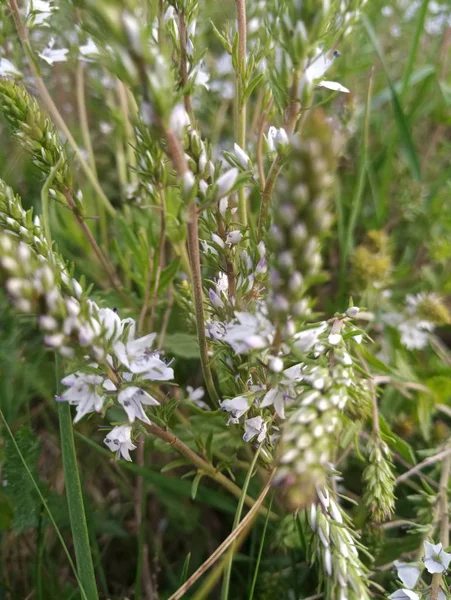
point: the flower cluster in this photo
(379, 480)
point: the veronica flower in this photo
(132, 398)
(51, 55)
(39, 11)
(226, 182)
(404, 594)
(248, 332)
(84, 392)
(408, 574)
(7, 68)
(138, 357)
(255, 427)
(179, 119)
(317, 68)
(241, 156)
(414, 333)
(276, 137)
(436, 560)
(234, 237)
(274, 398)
(307, 340)
(237, 407)
(111, 322)
(119, 440)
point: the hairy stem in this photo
(183, 62)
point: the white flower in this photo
(404, 594)
(132, 398)
(334, 86)
(215, 299)
(111, 322)
(119, 440)
(241, 156)
(334, 339)
(195, 394)
(353, 311)
(249, 332)
(306, 340)
(234, 237)
(226, 182)
(276, 137)
(200, 76)
(179, 119)
(236, 406)
(275, 364)
(253, 427)
(38, 12)
(275, 397)
(138, 357)
(408, 574)
(52, 56)
(7, 68)
(414, 333)
(436, 560)
(88, 51)
(83, 392)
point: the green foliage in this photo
(19, 488)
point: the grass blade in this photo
(400, 118)
(260, 552)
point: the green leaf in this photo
(195, 484)
(253, 83)
(20, 488)
(174, 464)
(400, 117)
(168, 274)
(184, 575)
(396, 443)
(182, 344)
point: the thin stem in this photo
(444, 521)
(160, 263)
(178, 159)
(236, 520)
(109, 269)
(46, 208)
(51, 107)
(200, 463)
(240, 103)
(430, 460)
(166, 317)
(84, 126)
(245, 523)
(145, 306)
(194, 257)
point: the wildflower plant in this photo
(216, 243)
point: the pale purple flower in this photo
(119, 440)
(255, 427)
(241, 156)
(132, 398)
(408, 574)
(226, 182)
(84, 391)
(274, 398)
(139, 358)
(237, 407)
(436, 560)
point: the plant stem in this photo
(245, 523)
(177, 157)
(444, 521)
(240, 107)
(239, 510)
(51, 107)
(200, 463)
